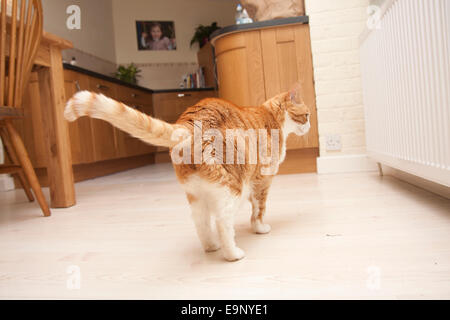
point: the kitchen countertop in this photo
(257, 25)
(123, 83)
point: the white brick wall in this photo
(335, 28)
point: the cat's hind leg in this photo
(258, 197)
(203, 223)
(224, 211)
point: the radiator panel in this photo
(405, 65)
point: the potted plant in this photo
(202, 33)
(128, 74)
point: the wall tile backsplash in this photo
(164, 75)
(153, 75)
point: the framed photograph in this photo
(156, 35)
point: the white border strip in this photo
(428, 172)
(345, 163)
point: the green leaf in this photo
(128, 74)
(202, 32)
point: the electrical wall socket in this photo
(333, 142)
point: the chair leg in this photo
(27, 167)
(13, 157)
(25, 186)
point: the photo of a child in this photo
(156, 35)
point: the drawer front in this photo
(135, 96)
(109, 89)
(144, 108)
(169, 106)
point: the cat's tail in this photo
(137, 124)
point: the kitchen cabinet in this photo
(96, 147)
(168, 106)
(126, 144)
(94, 140)
(80, 131)
(103, 133)
(255, 63)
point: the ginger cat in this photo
(215, 180)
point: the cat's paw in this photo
(260, 228)
(212, 247)
(234, 255)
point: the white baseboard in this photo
(6, 183)
(345, 163)
(431, 186)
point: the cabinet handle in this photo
(102, 87)
(181, 95)
(77, 85)
(134, 95)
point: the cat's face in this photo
(297, 115)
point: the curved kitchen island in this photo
(257, 61)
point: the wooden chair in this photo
(21, 27)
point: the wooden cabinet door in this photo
(133, 96)
(80, 131)
(205, 58)
(127, 145)
(286, 56)
(240, 69)
(103, 133)
(145, 148)
(169, 106)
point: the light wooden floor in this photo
(333, 236)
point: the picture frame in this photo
(156, 35)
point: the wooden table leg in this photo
(59, 168)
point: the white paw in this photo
(234, 255)
(212, 247)
(260, 228)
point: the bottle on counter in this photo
(183, 82)
(73, 61)
(242, 15)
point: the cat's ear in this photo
(296, 93)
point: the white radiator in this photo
(405, 64)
